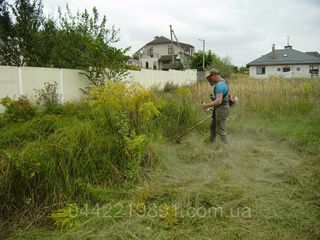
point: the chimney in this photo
(288, 44)
(156, 37)
(273, 55)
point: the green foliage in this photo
(104, 143)
(133, 67)
(6, 35)
(224, 65)
(270, 167)
(244, 70)
(18, 110)
(19, 32)
(176, 114)
(212, 61)
(183, 91)
(170, 86)
(66, 217)
(88, 41)
(126, 107)
(46, 42)
(81, 41)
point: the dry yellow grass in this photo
(273, 95)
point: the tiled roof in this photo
(285, 56)
(164, 40)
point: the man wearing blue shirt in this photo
(220, 102)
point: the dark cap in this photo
(213, 71)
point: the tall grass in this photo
(105, 141)
(91, 150)
(285, 107)
(275, 96)
(177, 112)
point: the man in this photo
(220, 102)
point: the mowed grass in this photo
(264, 185)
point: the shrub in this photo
(18, 110)
(49, 95)
(170, 87)
(124, 107)
(103, 143)
(49, 98)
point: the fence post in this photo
(61, 86)
(20, 81)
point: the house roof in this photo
(167, 58)
(285, 56)
(164, 40)
(316, 54)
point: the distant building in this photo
(160, 54)
(287, 62)
(133, 62)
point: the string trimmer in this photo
(178, 139)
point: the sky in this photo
(240, 29)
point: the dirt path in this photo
(254, 181)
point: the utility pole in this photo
(203, 52)
(181, 53)
(172, 53)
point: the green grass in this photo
(272, 185)
(265, 182)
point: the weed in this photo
(18, 110)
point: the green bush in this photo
(18, 110)
(18, 134)
(170, 87)
(56, 109)
(103, 143)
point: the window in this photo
(150, 52)
(261, 70)
(155, 65)
(147, 65)
(286, 69)
(278, 69)
(170, 50)
(314, 69)
(298, 69)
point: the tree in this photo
(212, 61)
(135, 56)
(28, 20)
(19, 32)
(88, 41)
(235, 69)
(244, 70)
(196, 61)
(81, 41)
(45, 42)
(7, 36)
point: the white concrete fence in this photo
(18, 81)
